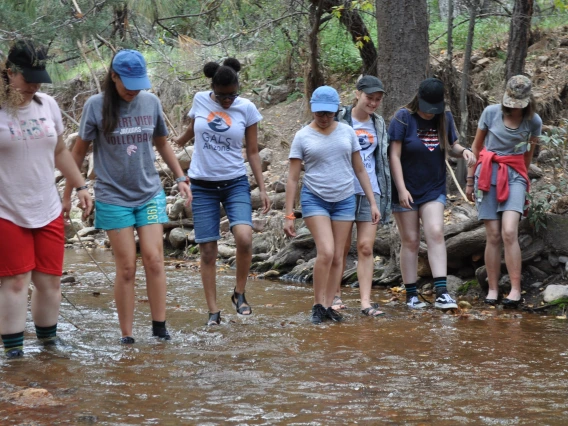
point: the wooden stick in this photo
(84, 55)
(456, 182)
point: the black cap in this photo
(30, 61)
(370, 84)
(431, 96)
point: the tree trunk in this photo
(403, 50)
(450, 43)
(518, 38)
(314, 77)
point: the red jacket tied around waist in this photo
(486, 158)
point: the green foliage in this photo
(468, 285)
(537, 209)
(488, 32)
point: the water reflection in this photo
(277, 368)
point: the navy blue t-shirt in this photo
(422, 160)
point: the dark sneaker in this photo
(414, 303)
(161, 333)
(56, 345)
(127, 340)
(14, 353)
(333, 315)
(318, 314)
(445, 301)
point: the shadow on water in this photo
(277, 368)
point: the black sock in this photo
(13, 341)
(410, 290)
(440, 286)
(159, 329)
(46, 333)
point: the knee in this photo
(509, 236)
(493, 238)
(411, 243)
(153, 264)
(208, 254)
(244, 245)
(17, 283)
(436, 235)
(364, 250)
(126, 273)
(325, 255)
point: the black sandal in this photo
(214, 319)
(239, 300)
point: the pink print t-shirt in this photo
(28, 195)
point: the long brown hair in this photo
(111, 103)
(528, 111)
(7, 96)
(413, 108)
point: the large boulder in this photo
(184, 157)
(180, 237)
(177, 210)
(265, 158)
(554, 292)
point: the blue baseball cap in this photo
(325, 98)
(131, 67)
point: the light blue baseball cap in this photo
(325, 98)
(131, 67)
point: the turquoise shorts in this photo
(110, 216)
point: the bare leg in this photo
(152, 251)
(366, 232)
(124, 248)
(14, 303)
(243, 240)
(493, 256)
(320, 228)
(409, 230)
(340, 231)
(432, 216)
(208, 253)
(510, 236)
(46, 299)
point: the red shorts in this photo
(38, 249)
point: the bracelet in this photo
(466, 149)
(291, 216)
(81, 188)
(470, 184)
(470, 177)
(182, 179)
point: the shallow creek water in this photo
(481, 368)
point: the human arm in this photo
(528, 155)
(167, 153)
(69, 164)
(404, 197)
(188, 135)
(251, 138)
(291, 187)
(476, 148)
(363, 177)
(458, 151)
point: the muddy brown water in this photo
(480, 368)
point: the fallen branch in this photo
(456, 182)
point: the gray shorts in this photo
(363, 208)
(488, 207)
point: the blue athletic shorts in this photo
(397, 208)
(207, 196)
(312, 205)
(110, 216)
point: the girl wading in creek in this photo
(220, 119)
(31, 223)
(329, 151)
(421, 133)
(503, 146)
(125, 123)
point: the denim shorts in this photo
(110, 216)
(312, 205)
(397, 208)
(207, 196)
(363, 208)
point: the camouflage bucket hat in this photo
(518, 92)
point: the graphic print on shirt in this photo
(132, 130)
(429, 138)
(366, 140)
(31, 129)
(219, 122)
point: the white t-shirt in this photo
(28, 195)
(327, 160)
(367, 135)
(219, 137)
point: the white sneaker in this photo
(445, 301)
(414, 303)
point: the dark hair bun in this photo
(232, 63)
(210, 68)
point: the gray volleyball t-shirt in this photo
(124, 161)
(327, 161)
